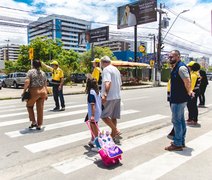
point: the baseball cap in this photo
(191, 63)
(97, 60)
(105, 59)
(54, 63)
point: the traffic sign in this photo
(31, 53)
(152, 63)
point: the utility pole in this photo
(158, 65)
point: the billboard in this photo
(99, 34)
(94, 35)
(140, 12)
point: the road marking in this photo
(14, 108)
(54, 115)
(19, 133)
(21, 113)
(64, 140)
(130, 99)
(76, 163)
(167, 162)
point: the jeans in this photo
(178, 121)
(58, 94)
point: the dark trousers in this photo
(192, 109)
(202, 96)
(58, 94)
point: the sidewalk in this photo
(12, 93)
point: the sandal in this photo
(32, 126)
(38, 128)
(91, 144)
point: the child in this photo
(94, 106)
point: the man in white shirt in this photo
(111, 97)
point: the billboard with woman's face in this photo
(141, 12)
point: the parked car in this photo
(2, 77)
(15, 79)
(49, 78)
(209, 76)
(78, 77)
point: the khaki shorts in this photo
(112, 109)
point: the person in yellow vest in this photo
(97, 71)
(192, 103)
(57, 83)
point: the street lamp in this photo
(175, 21)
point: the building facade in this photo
(60, 27)
(9, 52)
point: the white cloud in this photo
(106, 10)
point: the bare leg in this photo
(110, 123)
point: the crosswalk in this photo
(66, 132)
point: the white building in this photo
(60, 27)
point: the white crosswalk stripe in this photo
(162, 164)
(46, 110)
(57, 125)
(73, 164)
(54, 115)
(168, 161)
(52, 143)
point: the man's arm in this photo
(46, 66)
(187, 83)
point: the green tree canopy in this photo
(99, 52)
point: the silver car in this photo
(2, 78)
(15, 79)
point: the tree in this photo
(99, 52)
(44, 49)
(69, 61)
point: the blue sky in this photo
(106, 11)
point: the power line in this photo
(188, 20)
(193, 43)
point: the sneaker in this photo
(56, 109)
(116, 140)
(169, 136)
(188, 120)
(193, 124)
(32, 126)
(62, 109)
(172, 147)
(183, 145)
(94, 149)
(201, 106)
(38, 128)
(91, 144)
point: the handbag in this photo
(25, 96)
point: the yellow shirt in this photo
(57, 74)
(96, 73)
(169, 86)
(194, 76)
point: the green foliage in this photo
(210, 69)
(99, 52)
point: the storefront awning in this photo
(129, 64)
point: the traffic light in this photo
(31, 53)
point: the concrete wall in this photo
(2, 64)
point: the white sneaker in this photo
(94, 149)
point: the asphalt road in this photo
(60, 150)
